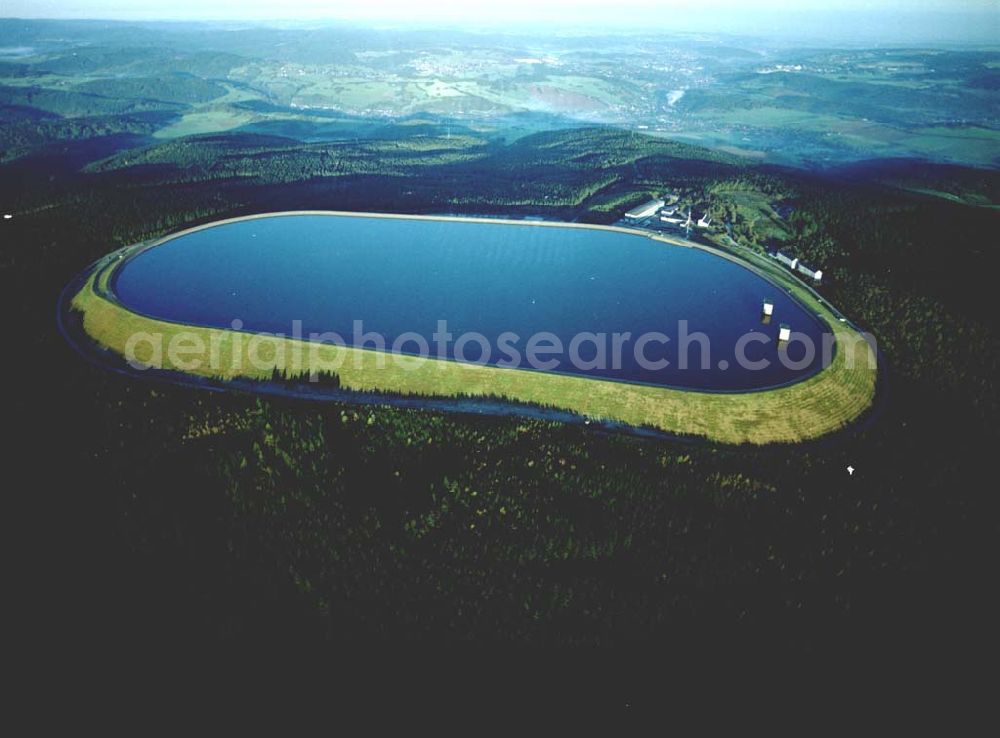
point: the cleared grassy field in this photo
(350, 94)
(821, 404)
(207, 119)
(755, 208)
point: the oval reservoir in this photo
(402, 275)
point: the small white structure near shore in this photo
(704, 221)
(645, 210)
(767, 308)
(784, 332)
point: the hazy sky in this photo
(974, 20)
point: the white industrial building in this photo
(796, 265)
(789, 261)
(704, 221)
(645, 210)
(816, 274)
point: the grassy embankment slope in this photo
(819, 405)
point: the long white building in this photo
(816, 274)
(645, 210)
(796, 265)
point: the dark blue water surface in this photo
(405, 275)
